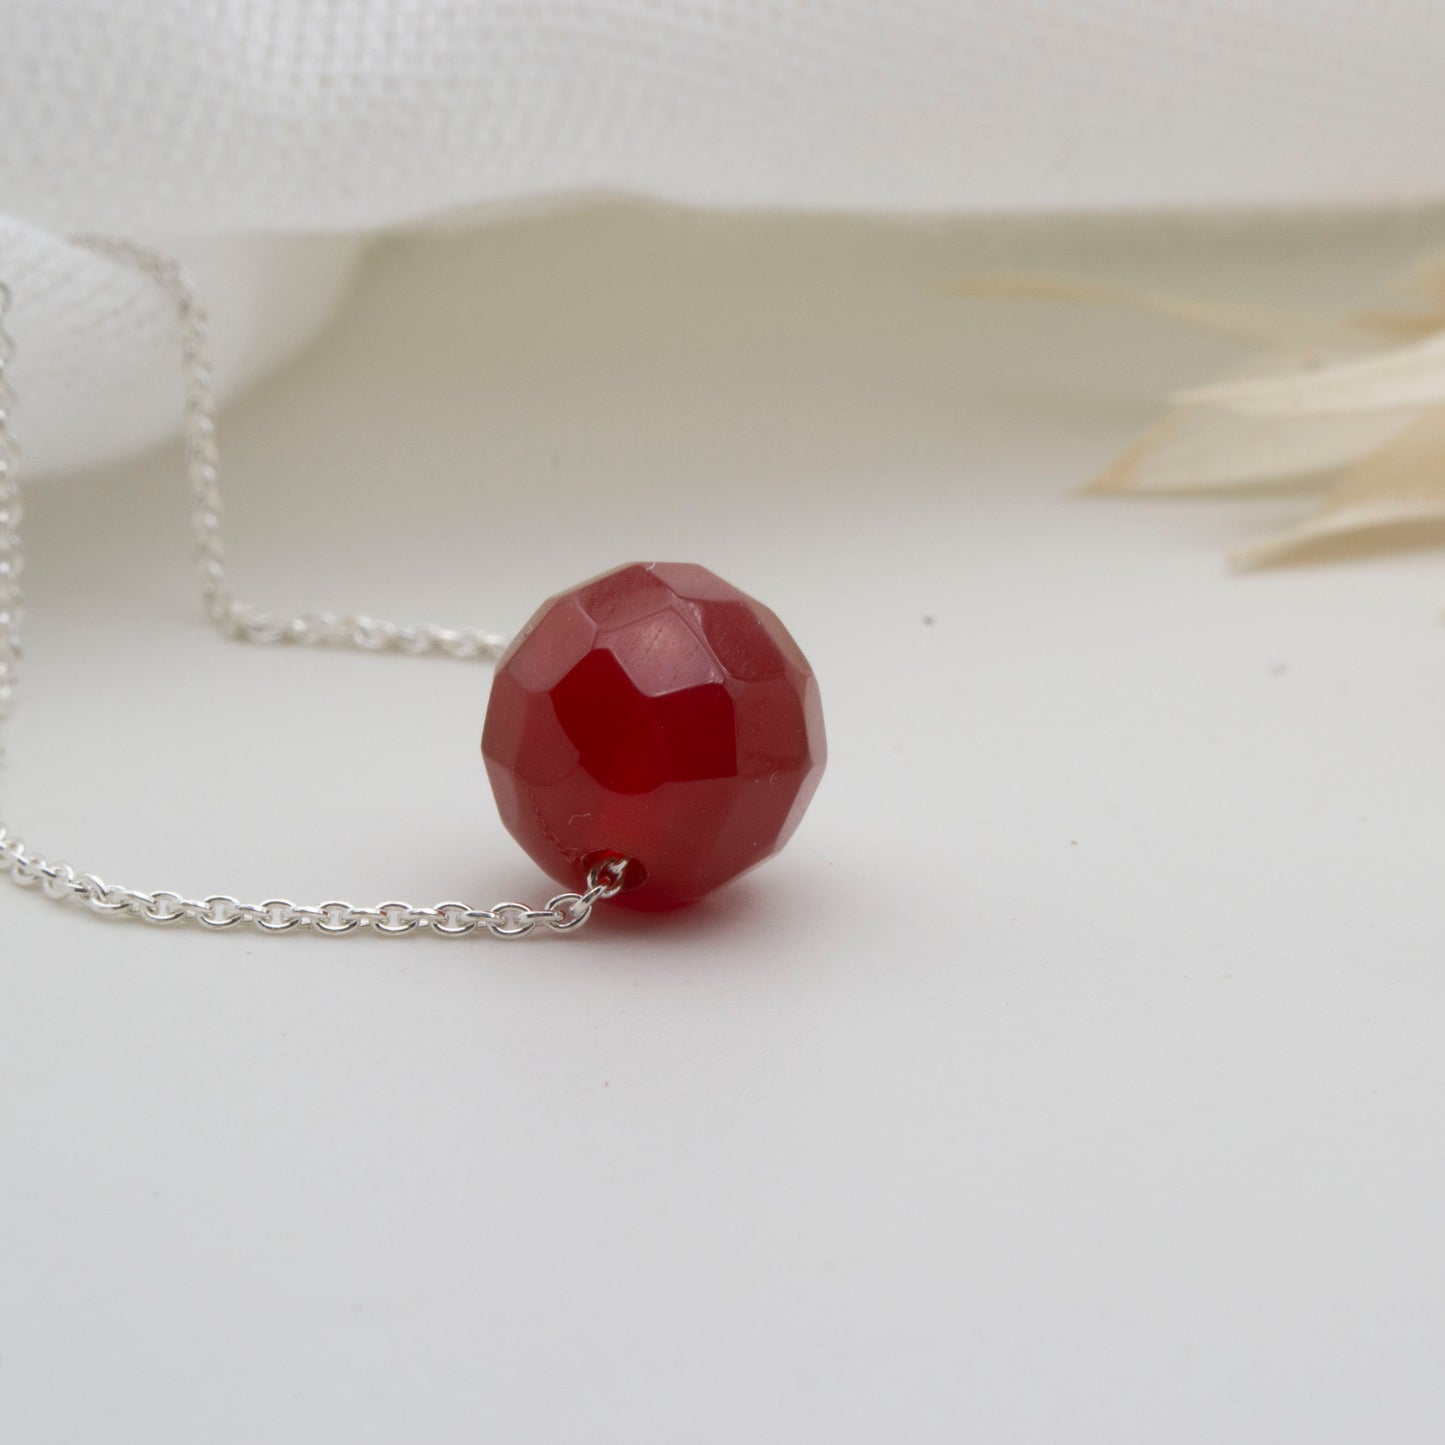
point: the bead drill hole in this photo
(634, 875)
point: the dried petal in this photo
(1423, 286)
(1198, 449)
(1405, 376)
(1206, 448)
(1259, 325)
(1402, 484)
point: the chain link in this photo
(562, 914)
(226, 609)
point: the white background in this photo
(263, 139)
(1075, 1075)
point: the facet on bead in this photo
(658, 713)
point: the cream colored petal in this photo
(1401, 484)
(1398, 328)
(1422, 288)
(1425, 282)
(1258, 325)
(1201, 449)
(1406, 376)
(1207, 448)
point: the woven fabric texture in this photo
(263, 139)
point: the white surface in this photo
(1075, 1075)
(230, 129)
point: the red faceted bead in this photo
(658, 713)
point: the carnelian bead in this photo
(658, 713)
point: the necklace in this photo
(651, 734)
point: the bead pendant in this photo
(658, 714)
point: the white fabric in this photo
(209, 120)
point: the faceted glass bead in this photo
(658, 713)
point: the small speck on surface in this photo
(929, 619)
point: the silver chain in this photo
(562, 914)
